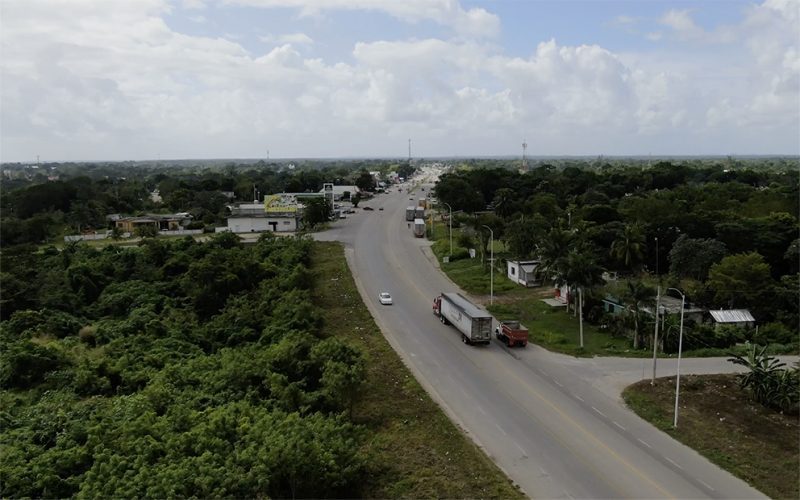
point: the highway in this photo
(543, 418)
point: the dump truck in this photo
(422, 202)
(474, 324)
(419, 228)
(512, 333)
(410, 212)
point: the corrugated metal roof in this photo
(465, 305)
(732, 316)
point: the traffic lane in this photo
(619, 422)
(471, 397)
(641, 488)
(444, 344)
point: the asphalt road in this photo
(553, 423)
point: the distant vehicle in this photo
(380, 208)
(410, 212)
(474, 324)
(423, 188)
(342, 216)
(419, 228)
(419, 213)
(512, 333)
(368, 208)
(385, 298)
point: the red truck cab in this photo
(512, 333)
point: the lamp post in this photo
(655, 335)
(491, 265)
(450, 225)
(680, 348)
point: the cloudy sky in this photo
(147, 79)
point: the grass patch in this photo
(555, 330)
(720, 421)
(414, 449)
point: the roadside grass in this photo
(556, 330)
(414, 449)
(722, 423)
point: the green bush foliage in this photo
(177, 369)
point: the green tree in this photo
(316, 211)
(582, 272)
(740, 280)
(693, 257)
(365, 181)
(636, 295)
(628, 249)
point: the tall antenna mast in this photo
(524, 158)
(409, 151)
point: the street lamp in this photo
(450, 226)
(680, 348)
(491, 265)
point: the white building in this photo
(524, 272)
(279, 213)
(343, 192)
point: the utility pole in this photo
(491, 265)
(409, 151)
(680, 349)
(658, 304)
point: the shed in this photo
(524, 272)
(736, 317)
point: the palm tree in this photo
(637, 295)
(628, 249)
(582, 271)
(553, 250)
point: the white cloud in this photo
(110, 80)
(290, 38)
(473, 22)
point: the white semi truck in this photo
(419, 228)
(474, 324)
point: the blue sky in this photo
(139, 79)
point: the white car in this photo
(385, 298)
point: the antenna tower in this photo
(409, 151)
(524, 158)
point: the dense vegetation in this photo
(174, 369)
(726, 235)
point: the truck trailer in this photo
(410, 212)
(512, 333)
(474, 324)
(419, 228)
(419, 213)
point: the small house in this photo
(524, 272)
(736, 317)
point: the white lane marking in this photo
(501, 429)
(706, 485)
(521, 450)
(557, 383)
(570, 496)
(544, 472)
(598, 411)
(643, 443)
(481, 410)
(615, 423)
(578, 397)
(673, 462)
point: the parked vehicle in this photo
(419, 213)
(419, 228)
(512, 333)
(368, 208)
(474, 324)
(410, 212)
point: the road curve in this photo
(541, 417)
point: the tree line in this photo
(727, 237)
